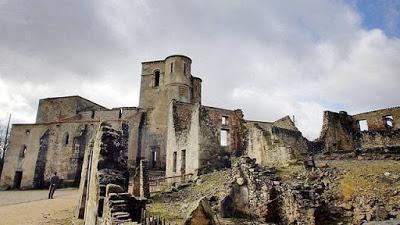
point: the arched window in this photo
(156, 78)
(66, 139)
(23, 151)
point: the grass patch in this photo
(367, 178)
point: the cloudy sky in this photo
(269, 58)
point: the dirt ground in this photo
(33, 208)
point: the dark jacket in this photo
(54, 180)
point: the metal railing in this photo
(159, 184)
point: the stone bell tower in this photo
(163, 81)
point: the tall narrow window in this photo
(154, 155)
(172, 67)
(154, 159)
(156, 78)
(183, 162)
(363, 124)
(174, 163)
(224, 138)
(120, 114)
(224, 120)
(93, 113)
(184, 68)
(66, 140)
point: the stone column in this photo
(144, 179)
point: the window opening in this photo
(156, 78)
(66, 142)
(24, 149)
(224, 120)
(224, 138)
(120, 114)
(389, 121)
(183, 162)
(363, 124)
(174, 163)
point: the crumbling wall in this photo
(339, 132)
(140, 180)
(182, 139)
(285, 123)
(380, 139)
(271, 145)
(107, 164)
(258, 192)
(194, 138)
(376, 119)
(252, 191)
(121, 207)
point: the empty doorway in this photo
(17, 179)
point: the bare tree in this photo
(4, 141)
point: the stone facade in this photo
(171, 129)
(379, 129)
(196, 134)
(164, 81)
(59, 140)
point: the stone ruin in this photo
(104, 188)
(111, 153)
(258, 192)
(375, 134)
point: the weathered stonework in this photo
(275, 144)
(170, 120)
(258, 192)
(342, 132)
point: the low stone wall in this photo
(258, 192)
(122, 208)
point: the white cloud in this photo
(270, 58)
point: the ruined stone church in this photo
(170, 128)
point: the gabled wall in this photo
(275, 144)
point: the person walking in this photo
(54, 180)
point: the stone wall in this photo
(341, 132)
(272, 145)
(106, 164)
(121, 208)
(140, 187)
(376, 119)
(67, 138)
(38, 150)
(194, 138)
(258, 192)
(56, 109)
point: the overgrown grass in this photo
(367, 178)
(175, 207)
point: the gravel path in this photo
(33, 207)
